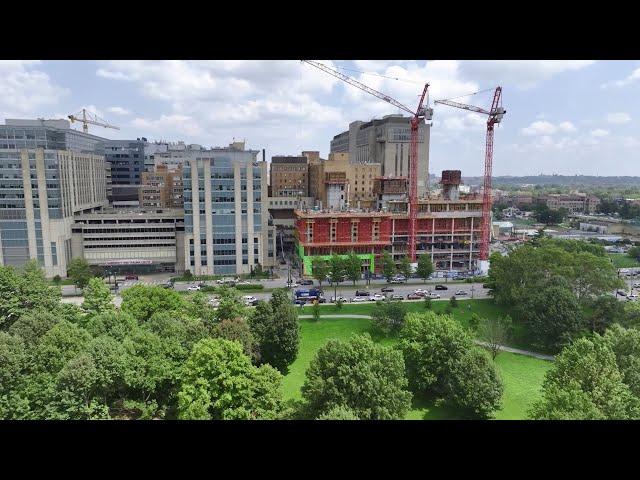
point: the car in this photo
(396, 281)
(461, 293)
(194, 288)
(636, 285)
(395, 296)
(360, 299)
(243, 282)
(131, 277)
(433, 295)
(339, 298)
(485, 285)
(167, 285)
(306, 282)
(362, 293)
(300, 301)
(632, 296)
(292, 285)
(413, 296)
(442, 287)
(420, 291)
(621, 293)
(386, 289)
(376, 297)
(249, 299)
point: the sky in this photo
(564, 117)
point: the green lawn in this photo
(522, 375)
(622, 260)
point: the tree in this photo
(359, 375)
(336, 272)
(553, 316)
(388, 316)
(625, 344)
(143, 301)
(239, 330)
(277, 331)
(405, 266)
(353, 267)
(631, 317)
(388, 266)
(634, 252)
(23, 291)
(219, 382)
(32, 325)
(231, 306)
(339, 412)
(453, 302)
(13, 360)
(79, 272)
(425, 267)
(320, 269)
(97, 297)
(188, 276)
(198, 306)
(315, 309)
(585, 384)
(474, 322)
(442, 361)
(476, 387)
(495, 332)
(57, 279)
(605, 311)
(427, 303)
(58, 346)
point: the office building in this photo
(386, 141)
(227, 227)
(162, 188)
(289, 176)
(126, 158)
(48, 173)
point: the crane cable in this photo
(469, 94)
(378, 75)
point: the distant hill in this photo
(560, 180)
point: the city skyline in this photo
(565, 117)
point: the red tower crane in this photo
(421, 113)
(495, 116)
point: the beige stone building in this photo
(162, 188)
(289, 176)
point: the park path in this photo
(504, 348)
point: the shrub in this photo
(453, 302)
(251, 286)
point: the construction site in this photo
(454, 229)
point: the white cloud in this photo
(543, 127)
(632, 77)
(618, 118)
(26, 90)
(599, 132)
(119, 111)
(521, 73)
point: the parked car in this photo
(376, 297)
(413, 296)
(485, 285)
(249, 299)
(442, 287)
(420, 291)
(300, 301)
(292, 284)
(306, 282)
(461, 293)
(362, 293)
(360, 299)
(337, 299)
(386, 289)
(396, 296)
(243, 282)
(194, 288)
(396, 281)
(632, 296)
(131, 277)
(433, 295)
(622, 293)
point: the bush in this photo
(453, 302)
(251, 286)
(57, 279)
(388, 317)
(427, 303)
(187, 274)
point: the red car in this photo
(131, 277)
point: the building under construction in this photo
(448, 227)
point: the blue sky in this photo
(566, 117)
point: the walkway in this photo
(503, 348)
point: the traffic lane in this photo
(472, 289)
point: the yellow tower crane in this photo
(88, 118)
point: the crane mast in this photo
(421, 113)
(495, 115)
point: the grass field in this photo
(622, 260)
(522, 376)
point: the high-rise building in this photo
(127, 164)
(48, 172)
(386, 141)
(162, 188)
(289, 176)
(227, 227)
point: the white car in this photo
(292, 285)
(243, 282)
(193, 288)
(421, 291)
(249, 299)
(433, 295)
(461, 293)
(376, 297)
(360, 299)
(337, 299)
(632, 296)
